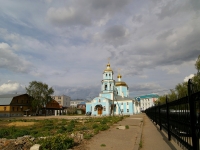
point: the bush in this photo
(94, 126)
(87, 136)
(58, 142)
(104, 127)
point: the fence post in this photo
(160, 123)
(192, 117)
(168, 124)
(155, 120)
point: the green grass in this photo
(103, 145)
(52, 127)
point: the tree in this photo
(197, 64)
(40, 94)
(181, 89)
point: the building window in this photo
(95, 108)
(13, 108)
(121, 103)
(127, 110)
(99, 100)
(105, 87)
(121, 110)
(17, 108)
(127, 103)
(106, 75)
(59, 97)
(4, 108)
(104, 108)
(109, 74)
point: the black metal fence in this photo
(180, 118)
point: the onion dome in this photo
(119, 76)
(121, 83)
(108, 68)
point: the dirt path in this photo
(117, 139)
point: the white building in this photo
(147, 101)
(63, 100)
(74, 103)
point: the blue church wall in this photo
(88, 107)
(106, 95)
(124, 90)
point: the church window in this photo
(121, 103)
(127, 103)
(105, 87)
(127, 110)
(106, 75)
(95, 108)
(99, 100)
(104, 108)
(109, 74)
(121, 110)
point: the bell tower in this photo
(107, 83)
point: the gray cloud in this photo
(88, 92)
(11, 61)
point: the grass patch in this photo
(103, 145)
(54, 127)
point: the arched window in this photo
(106, 75)
(104, 108)
(99, 100)
(106, 87)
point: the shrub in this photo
(104, 127)
(58, 142)
(127, 127)
(96, 131)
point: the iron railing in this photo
(180, 118)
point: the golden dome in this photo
(108, 68)
(120, 83)
(119, 76)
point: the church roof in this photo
(120, 98)
(120, 83)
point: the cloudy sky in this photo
(67, 43)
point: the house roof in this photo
(148, 96)
(7, 98)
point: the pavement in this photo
(154, 139)
(142, 134)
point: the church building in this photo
(114, 97)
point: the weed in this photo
(140, 144)
(103, 145)
(127, 127)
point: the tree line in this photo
(181, 88)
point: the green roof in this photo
(149, 96)
(7, 98)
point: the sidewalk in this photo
(154, 139)
(142, 134)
